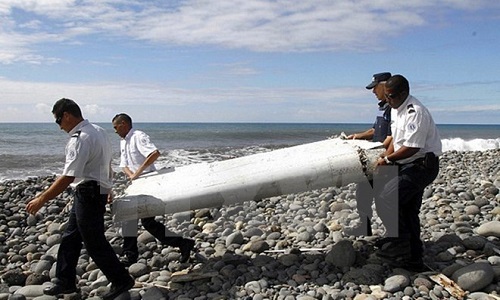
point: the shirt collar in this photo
(403, 105)
(382, 105)
(129, 134)
(79, 126)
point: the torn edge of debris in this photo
(364, 160)
(448, 285)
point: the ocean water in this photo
(37, 149)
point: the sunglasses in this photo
(59, 119)
(392, 95)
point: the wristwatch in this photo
(387, 161)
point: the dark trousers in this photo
(398, 203)
(157, 229)
(86, 225)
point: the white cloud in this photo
(10, 113)
(490, 108)
(263, 26)
(32, 102)
(256, 25)
(240, 69)
(43, 108)
(100, 101)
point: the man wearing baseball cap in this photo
(380, 132)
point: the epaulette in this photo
(76, 134)
(410, 108)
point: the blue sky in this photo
(247, 60)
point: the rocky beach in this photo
(287, 247)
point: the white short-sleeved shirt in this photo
(412, 126)
(134, 149)
(88, 154)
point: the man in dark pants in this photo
(415, 148)
(137, 156)
(88, 158)
(380, 132)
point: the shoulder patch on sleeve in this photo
(71, 149)
(144, 140)
(71, 154)
(410, 108)
(412, 127)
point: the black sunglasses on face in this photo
(391, 95)
(59, 119)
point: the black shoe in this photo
(415, 265)
(58, 289)
(186, 247)
(118, 289)
(394, 240)
(393, 250)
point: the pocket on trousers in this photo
(430, 160)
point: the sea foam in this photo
(459, 144)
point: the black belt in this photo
(424, 161)
(88, 184)
(418, 161)
(93, 186)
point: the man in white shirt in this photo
(415, 148)
(88, 161)
(137, 156)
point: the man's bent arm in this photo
(55, 189)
